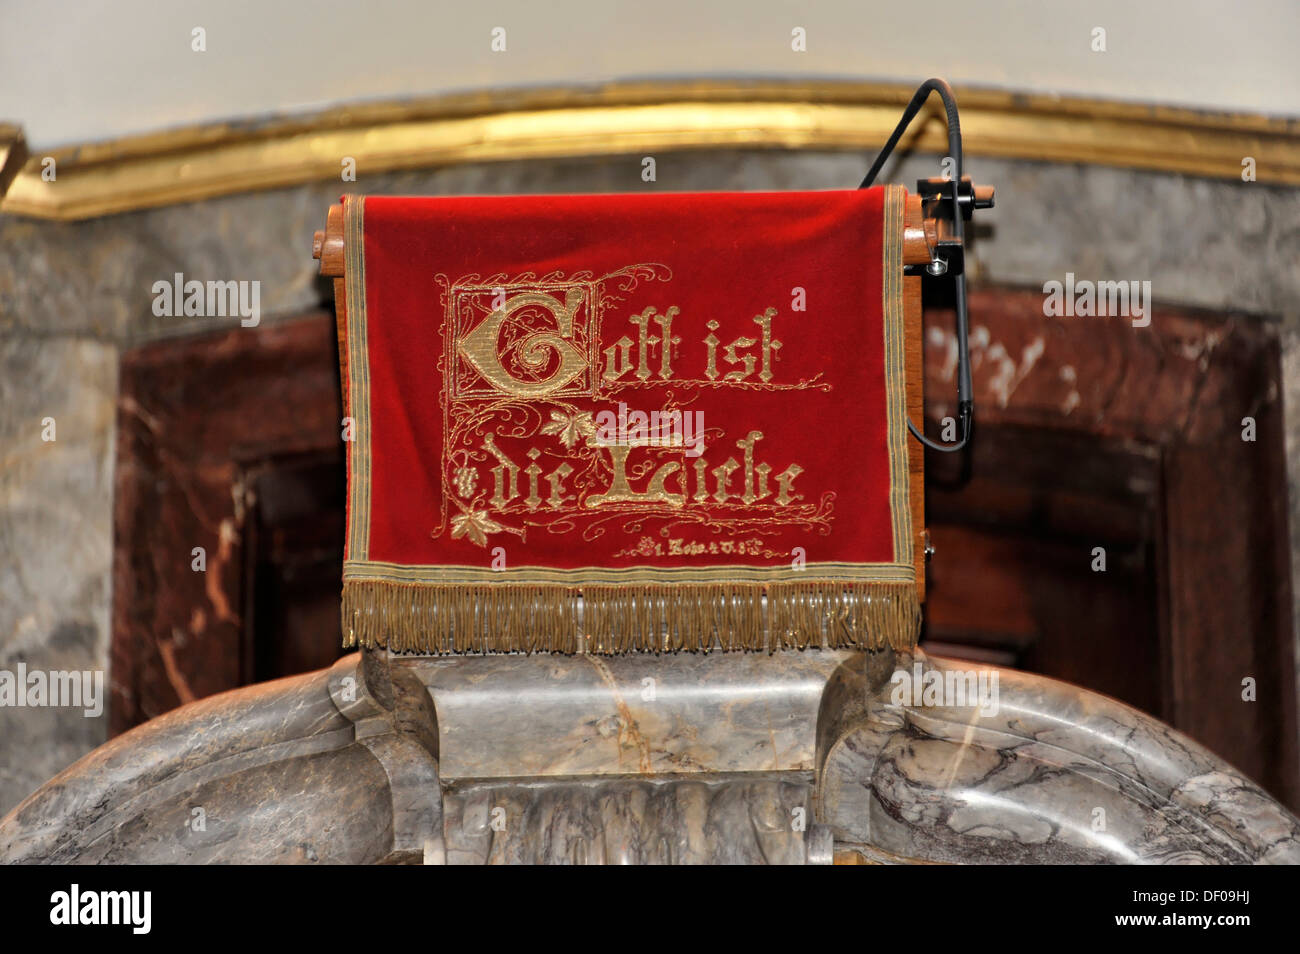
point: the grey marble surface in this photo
(751, 818)
(1056, 773)
(508, 716)
(72, 295)
(1234, 247)
(55, 541)
(346, 765)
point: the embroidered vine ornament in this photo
(610, 389)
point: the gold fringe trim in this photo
(607, 619)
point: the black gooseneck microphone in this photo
(965, 400)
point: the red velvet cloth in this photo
(434, 268)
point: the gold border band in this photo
(354, 275)
(371, 570)
(891, 306)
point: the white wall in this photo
(83, 70)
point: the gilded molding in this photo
(201, 162)
(13, 155)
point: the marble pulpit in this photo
(786, 758)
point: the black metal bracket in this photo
(938, 195)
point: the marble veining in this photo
(506, 716)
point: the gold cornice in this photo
(219, 159)
(13, 155)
